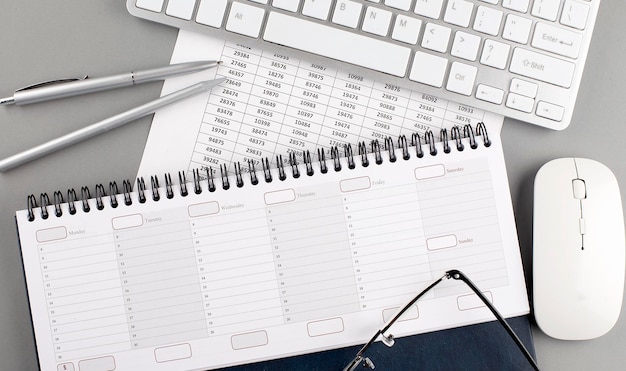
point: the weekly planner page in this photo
(274, 104)
(200, 277)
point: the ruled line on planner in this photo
(238, 286)
(455, 203)
(416, 220)
(392, 243)
(240, 267)
(259, 319)
(74, 293)
(208, 255)
(116, 270)
(178, 315)
(180, 242)
(476, 252)
(314, 274)
(468, 227)
(388, 214)
(73, 250)
(113, 297)
(305, 264)
(99, 345)
(117, 342)
(398, 267)
(85, 320)
(454, 183)
(260, 231)
(82, 283)
(76, 241)
(356, 302)
(309, 220)
(100, 262)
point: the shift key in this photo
(542, 67)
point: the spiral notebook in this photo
(209, 269)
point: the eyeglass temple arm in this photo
(458, 275)
(381, 332)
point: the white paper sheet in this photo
(275, 104)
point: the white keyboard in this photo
(520, 58)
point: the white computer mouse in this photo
(578, 249)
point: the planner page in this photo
(205, 277)
(275, 104)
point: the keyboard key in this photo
(542, 67)
(495, 54)
(289, 5)
(316, 8)
(488, 20)
(245, 19)
(347, 13)
(517, 5)
(313, 37)
(489, 94)
(399, 4)
(182, 9)
(557, 40)
(211, 12)
(428, 69)
(520, 102)
(465, 46)
(550, 111)
(377, 21)
(546, 9)
(517, 29)
(153, 5)
(406, 29)
(458, 12)
(429, 8)
(462, 77)
(525, 88)
(436, 37)
(575, 14)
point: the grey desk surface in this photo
(40, 40)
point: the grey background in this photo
(42, 40)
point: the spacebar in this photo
(337, 44)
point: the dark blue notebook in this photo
(485, 346)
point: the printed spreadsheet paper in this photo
(274, 269)
(274, 104)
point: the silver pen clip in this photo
(51, 82)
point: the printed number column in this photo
(226, 108)
(307, 106)
(346, 111)
(267, 106)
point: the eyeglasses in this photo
(389, 340)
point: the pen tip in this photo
(6, 101)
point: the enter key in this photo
(557, 40)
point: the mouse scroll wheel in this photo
(579, 188)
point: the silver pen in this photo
(70, 87)
(106, 125)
